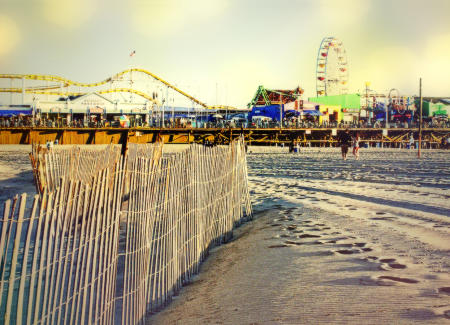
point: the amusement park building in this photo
(339, 107)
(267, 102)
(93, 104)
(136, 92)
(435, 107)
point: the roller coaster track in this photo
(61, 93)
(222, 107)
(63, 82)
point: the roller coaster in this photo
(66, 83)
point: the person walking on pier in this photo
(344, 141)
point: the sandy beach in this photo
(333, 242)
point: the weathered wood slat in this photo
(107, 230)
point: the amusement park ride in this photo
(331, 68)
(331, 79)
(59, 86)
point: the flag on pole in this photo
(133, 53)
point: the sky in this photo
(222, 50)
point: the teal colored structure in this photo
(430, 109)
(345, 101)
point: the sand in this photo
(16, 175)
(333, 242)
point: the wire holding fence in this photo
(112, 247)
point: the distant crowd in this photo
(25, 121)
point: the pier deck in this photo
(432, 137)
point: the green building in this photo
(430, 109)
(350, 102)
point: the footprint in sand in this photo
(398, 279)
(445, 290)
(387, 260)
(348, 251)
(347, 245)
(290, 242)
(397, 266)
(308, 236)
(446, 314)
(380, 218)
(277, 246)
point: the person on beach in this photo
(344, 141)
(355, 145)
(411, 141)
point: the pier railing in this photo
(88, 252)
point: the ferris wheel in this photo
(331, 68)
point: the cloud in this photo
(159, 19)
(243, 74)
(435, 64)
(392, 67)
(437, 53)
(68, 14)
(342, 12)
(9, 35)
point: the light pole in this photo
(173, 111)
(386, 107)
(166, 102)
(367, 101)
(33, 112)
(281, 111)
(420, 118)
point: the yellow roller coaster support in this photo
(66, 83)
(59, 93)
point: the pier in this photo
(392, 137)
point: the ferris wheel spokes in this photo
(331, 68)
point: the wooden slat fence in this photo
(86, 253)
(75, 163)
(58, 263)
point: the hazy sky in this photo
(230, 45)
